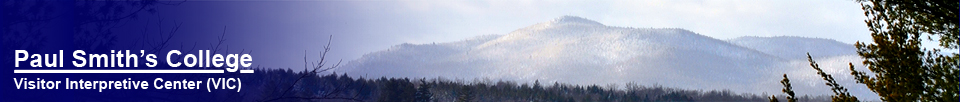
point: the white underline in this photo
(246, 71)
(124, 71)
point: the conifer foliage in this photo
(423, 92)
(904, 70)
(787, 88)
(840, 93)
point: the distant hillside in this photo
(795, 48)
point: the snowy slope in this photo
(795, 47)
(580, 51)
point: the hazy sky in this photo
(287, 29)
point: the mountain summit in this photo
(575, 20)
(575, 50)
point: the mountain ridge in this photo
(580, 51)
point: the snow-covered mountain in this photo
(580, 51)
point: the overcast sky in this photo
(287, 29)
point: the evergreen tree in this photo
(397, 90)
(905, 71)
(465, 94)
(537, 90)
(536, 85)
(423, 92)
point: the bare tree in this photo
(317, 67)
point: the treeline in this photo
(290, 85)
